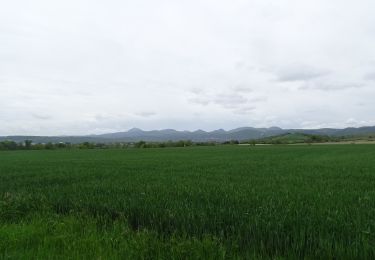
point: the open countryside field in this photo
(199, 202)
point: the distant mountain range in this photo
(220, 135)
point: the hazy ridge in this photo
(220, 135)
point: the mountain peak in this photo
(135, 130)
(220, 135)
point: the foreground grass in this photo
(80, 237)
(207, 202)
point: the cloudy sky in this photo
(82, 67)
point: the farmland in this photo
(219, 202)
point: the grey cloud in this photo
(242, 88)
(361, 104)
(145, 114)
(370, 76)
(229, 100)
(240, 65)
(300, 73)
(258, 99)
(196, 91)
(199, 101)
(100, 117)
(236, 102)
(330, 86)
(41, 116)
(245, 110)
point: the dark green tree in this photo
(28, 144)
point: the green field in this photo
(203, 202)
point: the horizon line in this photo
(191, 131)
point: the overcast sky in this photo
(82, 67)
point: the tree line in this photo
(274, 140)
(29, 145)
